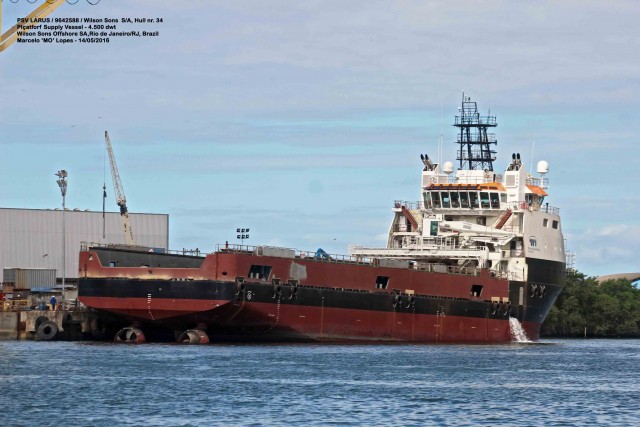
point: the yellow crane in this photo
(120, 197)
(42, 11)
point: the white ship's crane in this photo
(120, 197)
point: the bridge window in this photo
(545, 222)
(455, 199)
(464, 199)
(435, 197)
(555, 224)
(495, 200)
(427, 199)
(473, 200)
(446, 201)
(484, 200)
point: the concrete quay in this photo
(47, 325)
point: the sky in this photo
(304, 121)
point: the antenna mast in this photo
(475, 142)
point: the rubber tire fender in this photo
(98, 328)
(397, 299)
(47, 331)
(277, 292)
(40, 320)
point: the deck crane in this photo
(120, 197)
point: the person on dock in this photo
(53, 302)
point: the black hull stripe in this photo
(305, 296)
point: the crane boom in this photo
(28, 23)
(121, 200)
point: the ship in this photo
(478, 253)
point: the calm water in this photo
(565, 382)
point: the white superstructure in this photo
(474, 218)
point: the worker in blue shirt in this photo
(53, 302)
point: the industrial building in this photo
(33, 238)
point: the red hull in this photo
(304, 299)
(316, 323)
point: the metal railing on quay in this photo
(14, 304)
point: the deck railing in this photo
(408, 205)
(536, 207)
(184, 251)
(313, 256)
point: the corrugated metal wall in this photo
(30, 278)
(32, 238)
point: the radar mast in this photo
(475, 142)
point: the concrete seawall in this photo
(68, 325)
(9, 321)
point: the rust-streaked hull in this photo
(306, 299)
(288, 322)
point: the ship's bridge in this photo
(491, 195)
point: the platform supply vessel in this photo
(478, 253)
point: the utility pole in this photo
(62, 183)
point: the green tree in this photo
(608, 309)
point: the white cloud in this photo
(608, 249)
